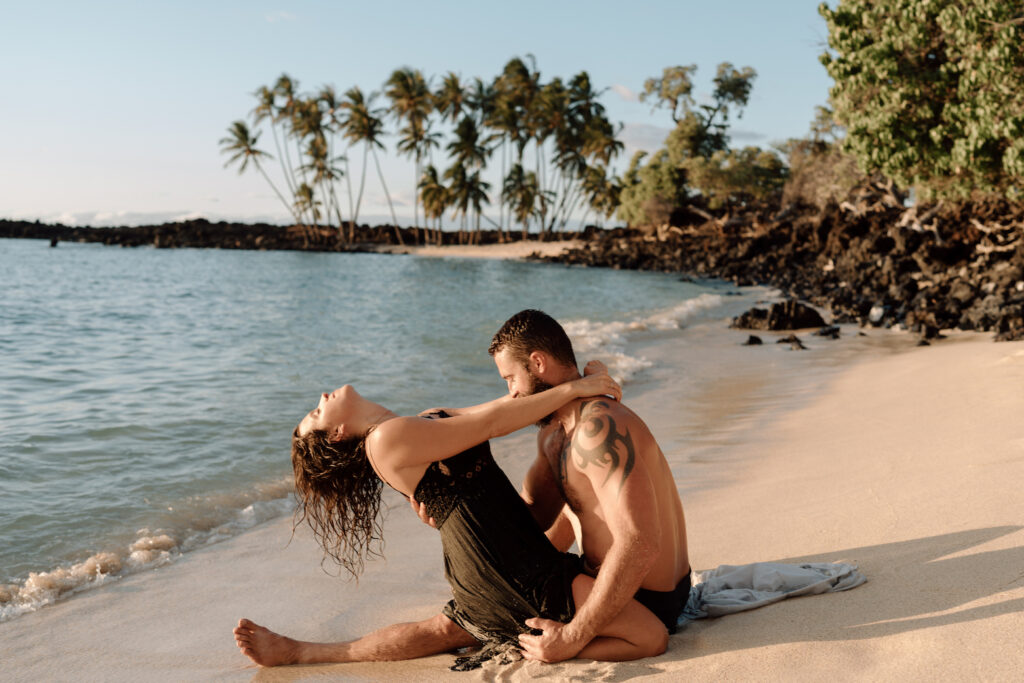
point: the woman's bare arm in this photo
(415, 441)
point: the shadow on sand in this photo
(911, 585)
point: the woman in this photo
(501, 567)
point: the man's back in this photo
(617, 481)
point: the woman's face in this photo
(331, 410)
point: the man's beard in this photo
(538, 385)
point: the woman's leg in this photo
(633, 634)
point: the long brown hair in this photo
(339, 497)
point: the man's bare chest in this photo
(557, 450)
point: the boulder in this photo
(787, 315)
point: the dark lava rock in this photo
(793, 341)
(829, 332)
(788, 315)
(753, 340)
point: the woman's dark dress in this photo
(501, 566)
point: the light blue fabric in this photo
(730, 589)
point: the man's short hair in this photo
(528, 331)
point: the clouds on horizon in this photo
(625, 93)
(642, 136)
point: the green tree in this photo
(363, 123)
(435, 198)
(931, 93)
(450, 97)
(521, 191)
(819, 171)
(736, 178)
(698, 144)
(411, 104)
(658, 183)
(673, 90)
(241, 145)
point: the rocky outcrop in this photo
(867, 261)
(202, 234)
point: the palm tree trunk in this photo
(362, 182)
(290, 173)
(416, 202)
(394, 221)
(501, 202)
(351, 206)
(285, 169)
(276, 191)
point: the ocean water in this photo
(147, 396)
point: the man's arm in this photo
(540, 491)
(602, 450)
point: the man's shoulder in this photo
(603, 408)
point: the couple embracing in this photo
(515, 587)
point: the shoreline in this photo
(518, 250)
(903, 463)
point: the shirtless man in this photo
(595, 454)
(601, 459)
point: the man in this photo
(602, 460)
(595, 455)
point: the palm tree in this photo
(523, 194)
(417, 140)
(458, 194)
(601, 192)
(481, 99)
(468, 147)
(362, 123)
(285, 88)
(435, 198)
(307, 124)
(548, 116)
(476, 191)
(515, 90)
(267, 110)
(242, 146)
(450, 97)
(411, 103)
(331, 112)
(324, 172)
(305, 201)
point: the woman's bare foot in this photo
(263, 646)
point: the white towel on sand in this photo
(729, 588)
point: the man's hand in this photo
(421, 511)
(557, 643)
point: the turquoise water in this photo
(147, 396)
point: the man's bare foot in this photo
(263, 646)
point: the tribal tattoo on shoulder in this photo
(599, 442)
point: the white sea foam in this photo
(606, 341)
(149, 550)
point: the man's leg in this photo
(399, 641)
(633, 634)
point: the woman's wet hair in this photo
(338, 496)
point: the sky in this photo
(111, 112)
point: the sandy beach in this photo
(506, 250)
(904, 460)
